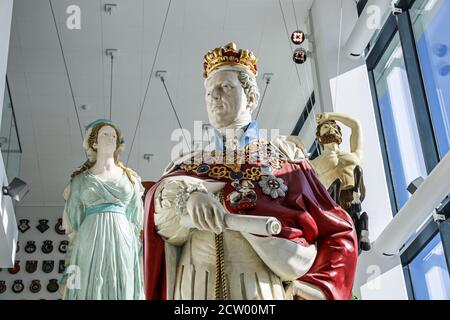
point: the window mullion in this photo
(382, 139)
(418, 93)
(444, 230)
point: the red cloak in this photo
(308, 216)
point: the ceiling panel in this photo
(129, 13)
(88, 38)
(49, 129)
(87, 84)
(43, 60)
(40, 83)
(124, 38)
(127, 63)
(35, 10)
(84, 63)
(37, 36)
(97, 106)
(20, 83)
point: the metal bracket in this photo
(442, 213)
(110, 7)
(112, 52)
(267, 77)
(148, 156)
(395, 10)
(206, 126)
(161, 74)
(438, 217)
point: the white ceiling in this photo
(47, 122)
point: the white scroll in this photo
(263, 226)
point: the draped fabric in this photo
(102, 260)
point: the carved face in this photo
(328, 127)
(107, 140)
(225, 99)
(329, 132)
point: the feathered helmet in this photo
(90, 138)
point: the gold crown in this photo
(229, 55)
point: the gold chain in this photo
(221, 290)
(220, 172)
(221, 286)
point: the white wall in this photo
(8, 226)
(353, 97)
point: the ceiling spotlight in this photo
(85, 107)
(300, 55)
(17, 189)
(298, 37)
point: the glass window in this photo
(9, 140)
(431, 23)
(429, 273)
(399, 122)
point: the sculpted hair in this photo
(250, 87)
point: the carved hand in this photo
(206, 212)
(321, 117)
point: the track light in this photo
(298, 37)
(300, 56)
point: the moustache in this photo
(330, 137)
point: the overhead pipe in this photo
(429, 195)
(367, 24)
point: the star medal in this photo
(273, 186)
(241, 196)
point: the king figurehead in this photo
(203, 236)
